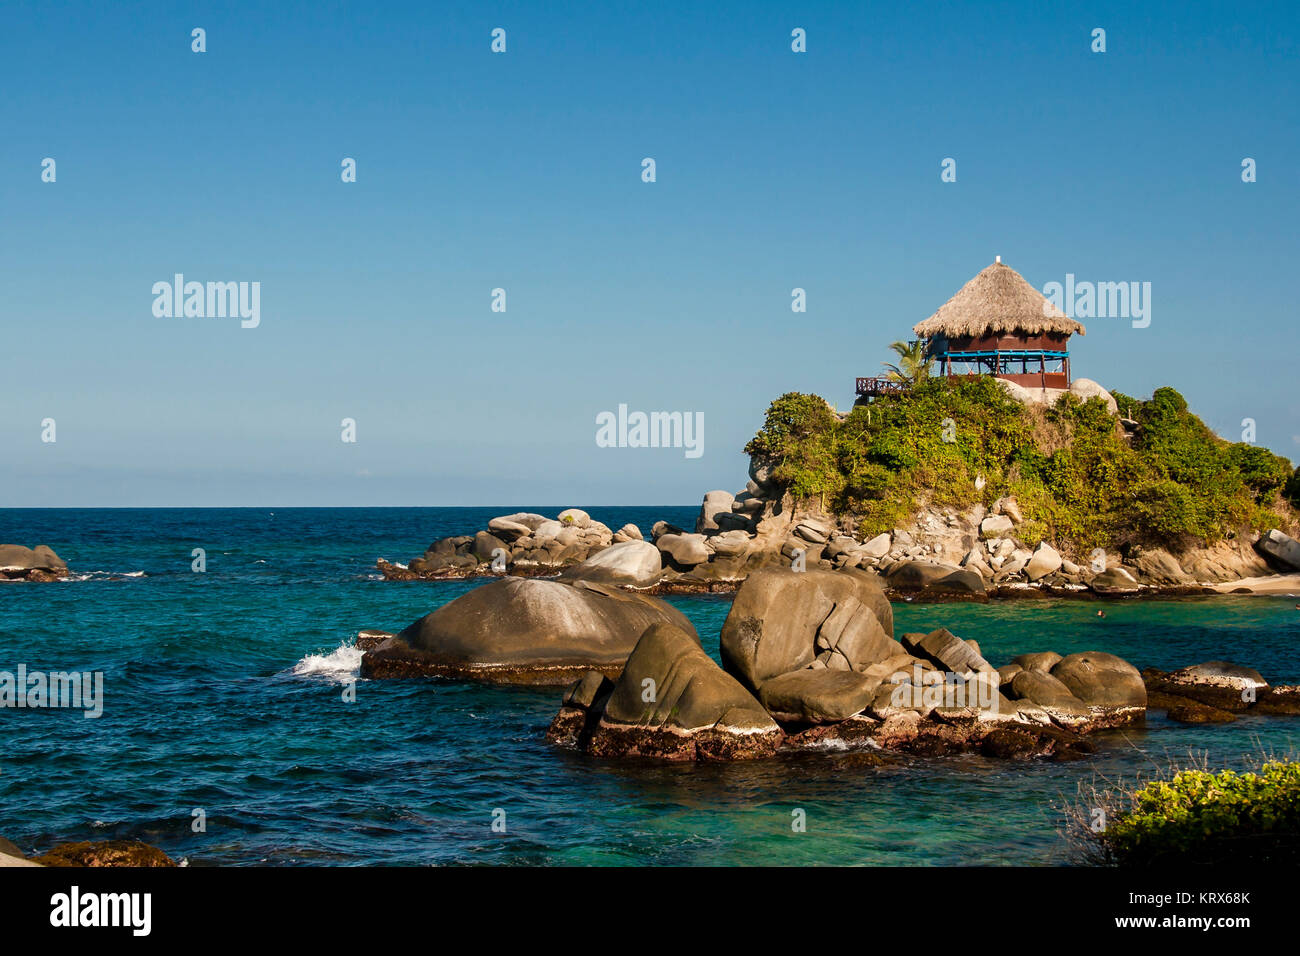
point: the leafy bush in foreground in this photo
(1201, 817)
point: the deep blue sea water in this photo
(224, 692)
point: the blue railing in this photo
(1002, 353)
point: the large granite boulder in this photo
(486, 545)
(1102, 680)
(686, 550)
(1044, 561)
(524, 631)
(1280, 546)
(516, 525)
(729, 543)
(996, 526)
(1085, 388)
(917, 575)
(672, 701)
(818, 696)
(877, 547)
(715, 503)
(1206, 692)
(1116, 580)
(574, 517)
(1038, 661)
(946, 651)
(634, 563)
(783, 620)
(1043, 689)
(966, 582)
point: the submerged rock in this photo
(524, 631)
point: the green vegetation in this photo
(1081, 480)
(1197, 817)
(913, 365)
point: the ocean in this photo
(224, 704)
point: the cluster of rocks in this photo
(523, 542)
(809, 662)
(31, 564)
(943, 554)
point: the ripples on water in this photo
(224, 691)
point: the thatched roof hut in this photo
(997, 301)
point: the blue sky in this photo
(522, 171)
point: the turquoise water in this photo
(224, 692)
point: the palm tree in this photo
(913, 364)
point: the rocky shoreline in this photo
(944, 555)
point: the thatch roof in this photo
(997, 300)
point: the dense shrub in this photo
(1081, 482)
(1200, 817)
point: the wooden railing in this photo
(876, 386)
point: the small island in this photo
(999, 476)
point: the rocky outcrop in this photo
(783, 621)
(942, 553)
(671, 702)
(935, 693)
(31, 564)
(522, 544)
(810, 663)
(1216, 692)
(105, 853)
(715, 503)
(524, 631)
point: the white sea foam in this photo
(341, 665)
(102, 575)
